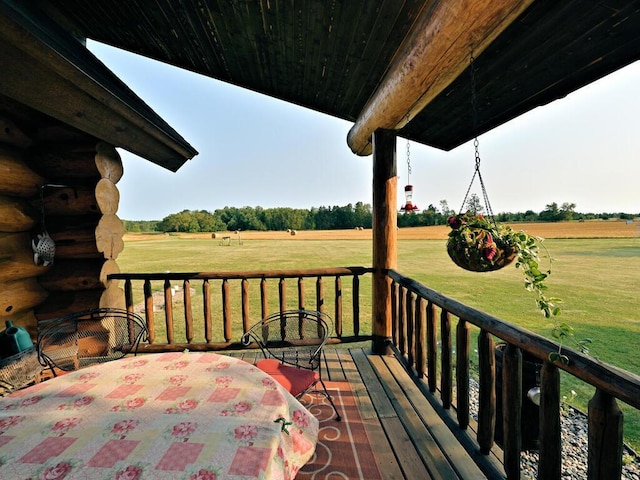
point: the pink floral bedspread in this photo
(195, 416)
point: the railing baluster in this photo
(301, 302)
(191, 332)
(168, 310)
(605, 437)
(264, 298)
(395, 304)
(128, 295)
(188, 313)
(246, 320)
(446, 381)
(487, 392)
(282, 294)
(402, 321)
(206, 300)
(421, 327)
(148, 310)
(511, 410)
(226, 311)
(410, 323)
(463, 360)
(550, 462)
(356, 305)
(337, 317)
(320, 294)
(432, 348)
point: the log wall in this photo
(79, 175)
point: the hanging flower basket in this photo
(479, 245)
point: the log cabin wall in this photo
(77, 176)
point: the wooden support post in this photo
(385, 235)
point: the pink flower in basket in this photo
(132, 472)
(55, 472)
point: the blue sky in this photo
(259, 151)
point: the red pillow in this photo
(294, 380)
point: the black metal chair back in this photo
(93, 336)
(296, 339)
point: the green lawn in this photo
(598, 280)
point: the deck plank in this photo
(428, 448)
(450, 447)
(333, 366)
(405, 451)
(386, 460)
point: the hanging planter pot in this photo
(478, 244)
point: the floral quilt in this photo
(194, 416)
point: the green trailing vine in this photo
(478, 244)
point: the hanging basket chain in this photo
(476, 144)
(408, 164)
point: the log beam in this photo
(435, 53)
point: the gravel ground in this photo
(574, 447)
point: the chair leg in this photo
(326, 394)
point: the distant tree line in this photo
(337, 218)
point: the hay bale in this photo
(293, 232)
(214, 235)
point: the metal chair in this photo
(85, 338)
(292, 342)
(19, 371)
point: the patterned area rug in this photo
(343, 449)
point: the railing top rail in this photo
(311, 272)
(608, 378)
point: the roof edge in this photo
(88, 95)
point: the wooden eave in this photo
(47, 69)
(358, 60)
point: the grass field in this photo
(596, 271)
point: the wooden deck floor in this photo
(412, 438)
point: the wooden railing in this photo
(253, 292)
(415, 311)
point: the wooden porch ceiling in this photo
(341, 57)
